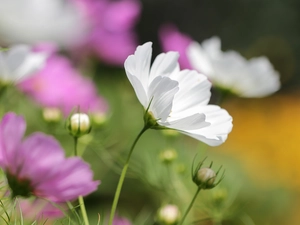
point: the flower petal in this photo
(220, 125)
(139, 89)
(4, 71)
(194, 91)
(196, 121)
(164, 64)
(12, 129)
(138, 65)
(73, 179)
(161, 92)
(46, 154)
(199, 59)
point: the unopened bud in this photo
(205, 178)
(79, 124)
(168, 215)
(52, 115)
(99, 118)
(168, 155)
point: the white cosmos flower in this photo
(229, 70)
(19, 62)
(177, 99)
(32, 21)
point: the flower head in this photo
(230, 71)
(37, 165)
(18, 63)
(60, 85)
(176, 99)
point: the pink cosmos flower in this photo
(37, 165)
(42, 211)
(120, 221)
(172, 40)
(111, 35)
(61, 86)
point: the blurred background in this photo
(261, 156)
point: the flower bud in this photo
(205, 177)
(99, 118)
(168, 215)
(52, 115)
(168, 155)
(79, 124)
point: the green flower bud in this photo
(168, 215)
(168, 155)
(205, 177)
(79, 124)
(99, 118)
(52, 115)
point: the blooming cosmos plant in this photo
(19, 62)
(176, 99)
(230, 71)
(37, 165)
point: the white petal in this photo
(265, 80)
(138, 65)
(32, 63)
(220, 125)
(194, 91)
(212, 47)
(196, 121)
(161, 92)
(199, 59)
(4, 71)
(139, 89)
(164, 64)
(16, 55)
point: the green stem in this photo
(75, 146)
(83, 210)
(80, 198)
(122, 177)
(190, 206)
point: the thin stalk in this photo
(83, 210)
(122, 177)
(190, 206)
(80, 198)
(75, 146)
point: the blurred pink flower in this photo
(60, 85)
(37, 165)
(111, 37)
(172, 40)
(121, 221)
(41, 210)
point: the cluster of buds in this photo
(205, 178)
(79, 124)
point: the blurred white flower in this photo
(176, 99)
(31, 21)
(19, 62)
(230, 71)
